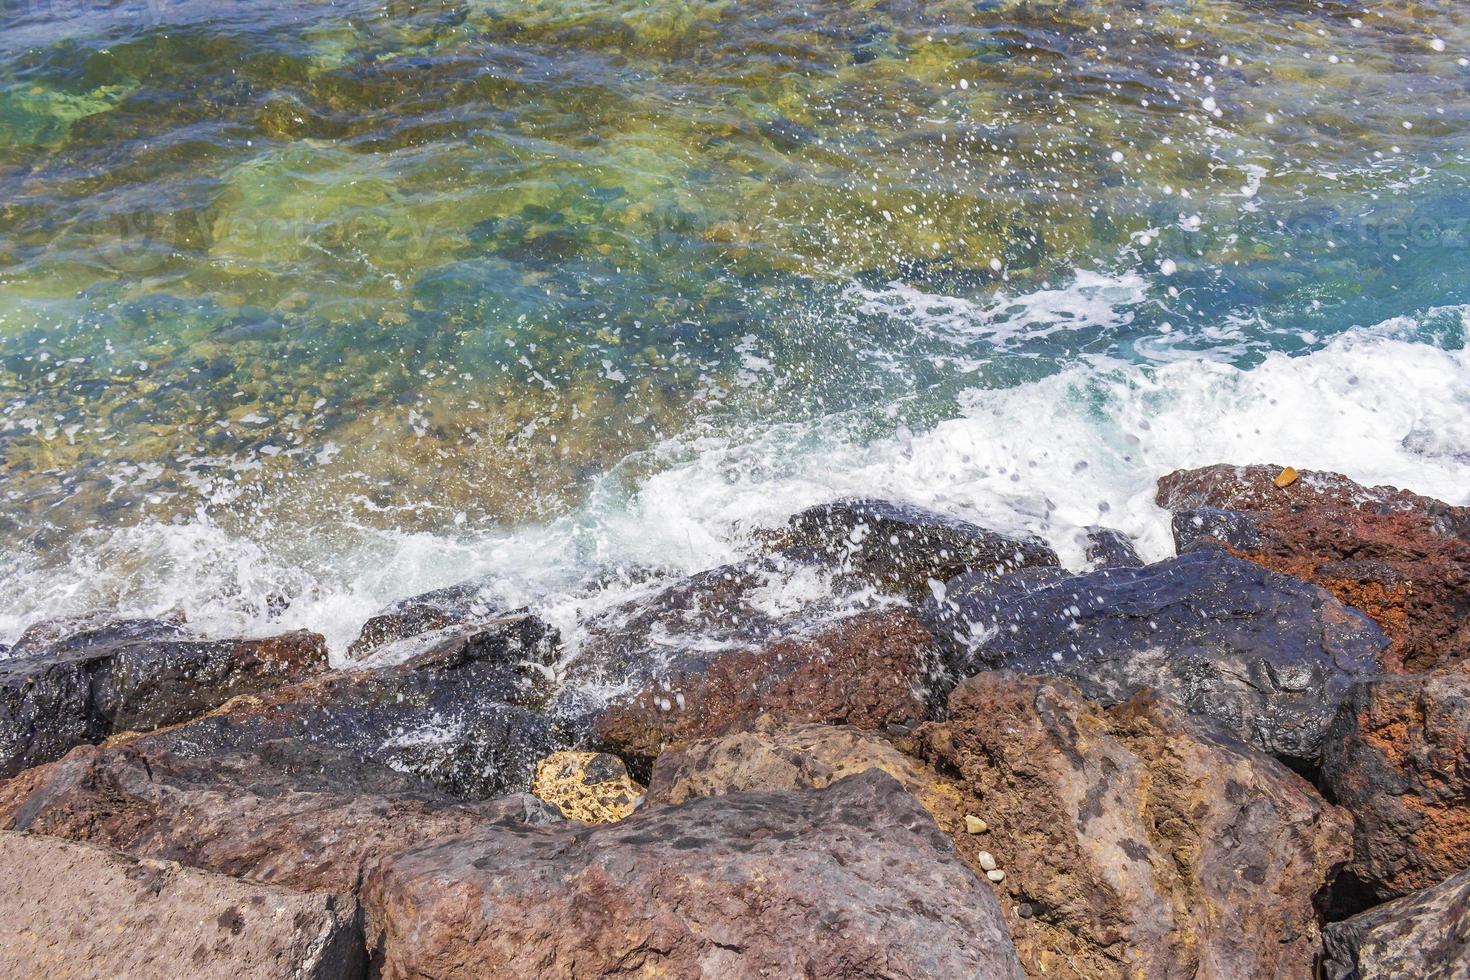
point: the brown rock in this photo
(1423, 934)
(76, 911)
(1401, 558)
(1398, 758)
(851, 881)
(869, 671)
(312, 821)
(592, 787)
(1138, 842)
(776, 757)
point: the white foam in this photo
(1082, 447)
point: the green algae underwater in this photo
(306, 305)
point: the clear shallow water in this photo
(305, 307)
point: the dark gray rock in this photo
(466, 603)
(464, 715)
(1211, 527)
(851, 881)
(1107, 548)
(1423, 934)
(900, 548)
(86, 685)
(1268, 656)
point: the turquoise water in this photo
(307, 306)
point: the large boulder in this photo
(1401, 558)
(850, 881)
(1266, 655)
(1423, 934)
(1398, 757)
(1136, 840)
(72, 910)
(902, 548)
(311, 819)
(869, 670)
(69, 683)
(463, 714)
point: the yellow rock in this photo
(593, 787)
(975, 825)
(1287, 477)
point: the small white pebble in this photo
(987, 860)
(996, 875)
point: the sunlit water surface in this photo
(306, 306)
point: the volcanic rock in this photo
(901, 548)
(64, 686)
(462, 715)
(74, 910)
(1401, 558)
(304, 817)
(1398, 758)
(870, 670)
(1268, 656)
(467, 603)
(593, 787)
(1423, 934)
(851, 881)
(1144, 842)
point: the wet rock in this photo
(845, 882)
(466, 603)
(1146, 842)
(1396, 758)
(463, 715)
(1401, 558)
(1107, 548)
(772, 756)
(64, 688)
(686, 626)
(1268, 656)
(97, 628)
(74, 910)
(900, 547)
(592, 787)
(304, 817)
(1423, 934)
(869, 671)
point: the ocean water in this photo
(306, 307)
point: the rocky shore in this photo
(956, 759)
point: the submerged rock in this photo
(1398, 758)
(463, 715)
(74, 910)
(1143, 842)
(1401, 558)
(901, 548)
(63, 687)
(1266, 655)
(870, 670)
(592, 787)
(851, 881)
(1423, 934)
